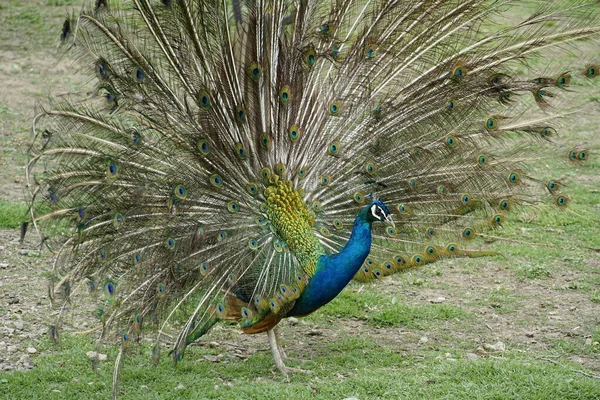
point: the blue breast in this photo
(333, 272)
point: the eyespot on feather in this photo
(334, 149)
(592, 71)
(285, 94)
(203, 146)
(240, 151)
(561, 201)
(240, 114)
(180, 192)
(265, 141)
(514, 178)
(112, 170)
(450, 141)
(491, 124)
(459, 72)
(215, 180)
(204, 99)
(294, 133)
(255, 71)
(563, 80)
(359, 197)
(233, 207)
(371, 168)
(325, 180)
(335, 108)
(118, 220)
(310, 56)
(468, 233)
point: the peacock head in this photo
(378, 211)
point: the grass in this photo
(351, 367)
(381, 310)
(349, 364)
(12, 214)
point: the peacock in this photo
(245, 160)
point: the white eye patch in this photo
(374, 209)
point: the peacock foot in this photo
(286, 371)
(279, 355)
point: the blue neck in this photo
(335, 271)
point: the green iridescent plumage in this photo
(230, 161)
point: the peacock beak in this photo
(389, 220)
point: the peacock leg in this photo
(275, 348)
(278, 342)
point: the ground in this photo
(535, 310)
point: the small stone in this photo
(29, 253)
(293, 321)
(588, 342)
(351, 398)
(180, 387)
(423, 340)
(31, 350)
(24, 361)
(4, 266)
(13, 300)
(92, 355)
(10, 331)
(55, 391)
(494, 347)
(471, 356)
(102, 357)
(144, 387)
(448, 355)
(437, 300)
(11, 348)
(529, 334)
(211, 358)
(315, 332)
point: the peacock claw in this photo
(286, 371)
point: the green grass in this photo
(351, 367)
(12, 214)
(380, 310)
